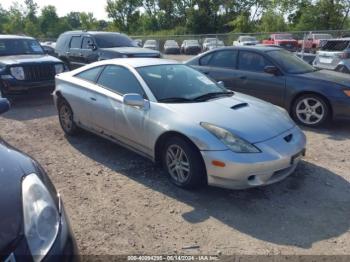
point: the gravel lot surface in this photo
(120, 203)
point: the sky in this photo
(63, 7)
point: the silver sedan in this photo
(172, 114)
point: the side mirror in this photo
(271, 70)
(221, 83)
(135, 100)
(92, 46)
(4, 105)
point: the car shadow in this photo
(28, 107)
(309, 206)
(335, 130)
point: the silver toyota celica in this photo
(170, 113)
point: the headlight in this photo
(41, 217)
(233, 142)
(2, 68)
(59, 68)
(17, 72)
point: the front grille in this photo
(39, 72)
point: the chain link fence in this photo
(229, 38)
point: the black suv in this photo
(25, 66)
(78, 48)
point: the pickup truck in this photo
(285, 41)
(313, 42)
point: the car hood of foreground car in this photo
(13, 166)
(249, 118)
(131, 50)
(330, 76)
(18, 59)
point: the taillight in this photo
(345, 55)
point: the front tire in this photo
(65, 116)
(183, 163)
(311, 110)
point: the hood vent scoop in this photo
(238, 106)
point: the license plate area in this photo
(297, 157)
(326, 60)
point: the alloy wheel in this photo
(177, 163)
(66, 117)
(310, 111)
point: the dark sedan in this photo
(311, 96)
(33, 224)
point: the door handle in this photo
(67, 53)
(93, 99)
(206, 73)
(243, 77)
(80, 54)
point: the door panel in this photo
(254, 81)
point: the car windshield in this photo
(114, 40)
(20, 47)
(248, 38)
(151, 42)
(178, 83)
(284, 36)
(290, 63)
(171, 43)
(192, 42)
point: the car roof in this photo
(90, 32)
(261, 48)
(139, 62)
(15, 37)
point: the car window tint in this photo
(90, 74)
(251, 61)
(205, 59)
(224, 59)
(87, 42)
(120, 80)
(75, 42)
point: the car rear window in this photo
(336, 45)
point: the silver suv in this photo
(334, 55)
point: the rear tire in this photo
(311, 110)
(183, 163)
(65, 116)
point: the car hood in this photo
(19, 59)
(131, 50)
(330, 76)
(251, 119)
(14, 165)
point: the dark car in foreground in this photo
(24, 66)
(78, 48)
(310, 95)
(33, 224)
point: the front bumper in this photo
(277, 160)
(13, 86)
(63, 249)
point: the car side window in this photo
(204, 61)
(87, 42)
(250, 61)
(120, 80)
(226, 59)
(90, 74)
(75, 42)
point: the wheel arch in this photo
(300, 94)
(159, 145)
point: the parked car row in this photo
(223, 118)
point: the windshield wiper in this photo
(175, 100)
(213, 95)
